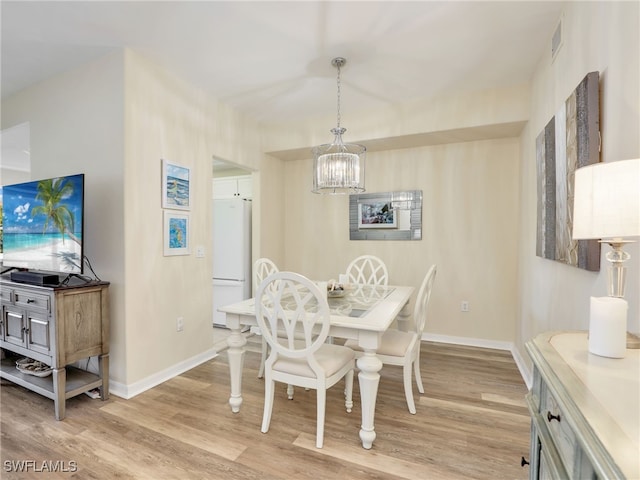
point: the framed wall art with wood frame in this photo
(570, 140)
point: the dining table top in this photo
(361, 307)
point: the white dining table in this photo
(365, 322)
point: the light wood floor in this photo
(471, 423)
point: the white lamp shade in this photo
(606, 201)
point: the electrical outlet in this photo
(199, 251)
(464, 306)
(180, 324)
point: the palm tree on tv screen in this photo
(51, 192)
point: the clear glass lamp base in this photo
(617, 271)
(616, 277)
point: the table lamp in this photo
(606, 206)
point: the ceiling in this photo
(272, 60)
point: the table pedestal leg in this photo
(369, 378)
(235, 353)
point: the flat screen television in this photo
(42, 225)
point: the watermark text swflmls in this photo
(49, 466)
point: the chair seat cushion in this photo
(394, 343)
(330, 357)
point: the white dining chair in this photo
(403, 348)
(291, 303)
(262, 268)
(368, 270)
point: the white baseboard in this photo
(525, 371)
(471, 342)
(130, 391)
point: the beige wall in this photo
(598, 36)
(470, 189)
(269, 210)
(470, 202)
(76, 126)
(163, 120)
(10, 176)
(467, 115)
(167, 119)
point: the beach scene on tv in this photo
(42, 224)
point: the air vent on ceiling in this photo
(556, 40)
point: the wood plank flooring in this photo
(471, 423)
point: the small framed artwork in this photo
(376, 215)
(176, 233)
(176, 186)
(386, 215)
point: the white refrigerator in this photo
(231, 254)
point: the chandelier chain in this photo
(338, 66)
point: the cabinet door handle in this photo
(550, 416)
(30, 300)
(523, 462)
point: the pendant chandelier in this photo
(338, 167)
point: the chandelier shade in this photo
(338, 167)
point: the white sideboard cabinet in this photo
(585, 410)
(233, 187)
(57, 326)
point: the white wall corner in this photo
(129, 391)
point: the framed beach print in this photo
(176, 233)
(376, 215)
(386, 215)
(176, 186)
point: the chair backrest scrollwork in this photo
(368, 269)
(293, 315)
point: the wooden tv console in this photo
(57, 326)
